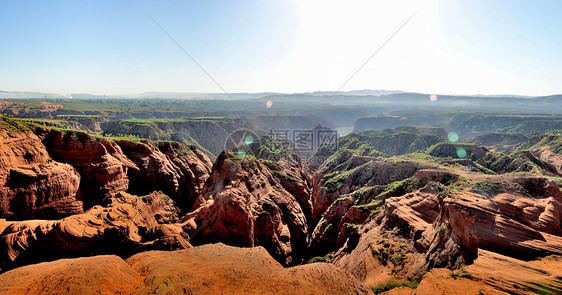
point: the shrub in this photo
(398, 260)
(461, 273)
(286, 177)
(389, 285)
(165, 197)
(319, 258)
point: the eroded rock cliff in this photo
(245, 203)
(126, 225)
(32, 184)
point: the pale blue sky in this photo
(449, 47)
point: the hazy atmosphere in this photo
(448, 47)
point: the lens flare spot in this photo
(453, 136)
(268, 104)
(433, 97)
(461, 152)
(249, 140)
(241, 153)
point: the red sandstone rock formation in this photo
(493, 273)
(125, 226)
(245, 204)
(195, 167)
(32, 185)
(177, 170)
(101, 163)
(550, 157)
(379, 234)
(216, 269)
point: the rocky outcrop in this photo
(400, 141)
(339, 224)
(32, 185)
(107, 167)
(200, 270)
(444, 150)
(87, 122)
(554, 159)
(445, 224)
(244, 204)
(193, 164)
(102, 165)
(413, 213)
(52, 174)
(350, 176)
(492, 273)
(127, 225)
(296, 179)
(349, 189)
(450, 228)
(177, 170)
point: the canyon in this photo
(388, 207)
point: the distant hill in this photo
(362, 92)
(22, 94)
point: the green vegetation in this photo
(402, 140)
(489, 187)
(328, 228)
(164, 197)
(553, 141)
(154, 120)
(80, 116)
(123, 137)
(342, 199)
(389, 285)
(384, 252)
(369, 206)
(363, 192)
(374, 207)
(377, 210)
(286, 177)
(325, 258)
(452, 150)
(271, 148)
(380, 253)
(401, 187)
(246, 195)
(335, 183)
(557, 180)
(17, 125)
(461, 273)
(417, 157)
(352, 228)
(268, 207)
(398, 260)
(356, 144)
